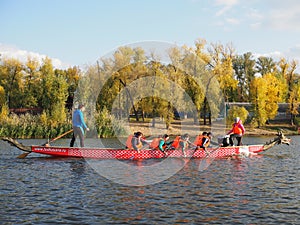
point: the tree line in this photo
(195, 81)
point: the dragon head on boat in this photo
(280, 139)
(16, 144)
(283, 139)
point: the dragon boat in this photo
(130, 154)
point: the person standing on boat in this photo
(78, 125)
(237, 131)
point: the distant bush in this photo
(236, 111)
(297, 121)
(29, 126)
(107, 125)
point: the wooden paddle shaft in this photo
(60, 136)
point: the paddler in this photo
(175, 144)
(164, 143)
(202, 141)
(184, 143)
(136, 141)
(237, 131)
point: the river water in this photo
(45, 190)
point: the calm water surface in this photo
(46, 190)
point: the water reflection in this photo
(78, 167)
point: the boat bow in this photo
(17, 144)
(280, 139)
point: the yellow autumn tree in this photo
(259, 99)
(221, 64)
(2, 96)
(274, 91)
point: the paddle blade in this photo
(22, 156)
(204, 164)
(210, 157)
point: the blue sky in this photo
(74, 32)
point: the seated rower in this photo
(184, 143)
(155, 142)
(175, 144)
(136, 141)
(202, 141)
(164, 144)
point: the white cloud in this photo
(293, 53)
(283, 15)
(232, 21)
(8, 51)
(255, 25)
(276, 55)
(285, 19)
(273, 14)
(226, 5)
(226, 2)
(254, 14)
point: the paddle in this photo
(58, 137)
(205, 162)
(22, 156)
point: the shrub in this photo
(236, 111)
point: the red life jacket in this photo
(128, 142)
(198, 140)
(236, 129)
(154, 144)
(176, 142)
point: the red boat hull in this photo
(106, 153)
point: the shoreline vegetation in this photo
(32, 129)
(217, 128)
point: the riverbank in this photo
(217, 128)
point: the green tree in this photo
(72, 76)
(244, 67)
(222, 67)
(32, 87)
(288, 72)
(54, 92)
(265, 65)
(194, 61)
(11, 74)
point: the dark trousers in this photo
(238, 138)
(77, 132)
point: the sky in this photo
(79, 32)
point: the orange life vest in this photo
(128, 142)
(198, 140)
(154, 144)
(176, 142)
(236, 129)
